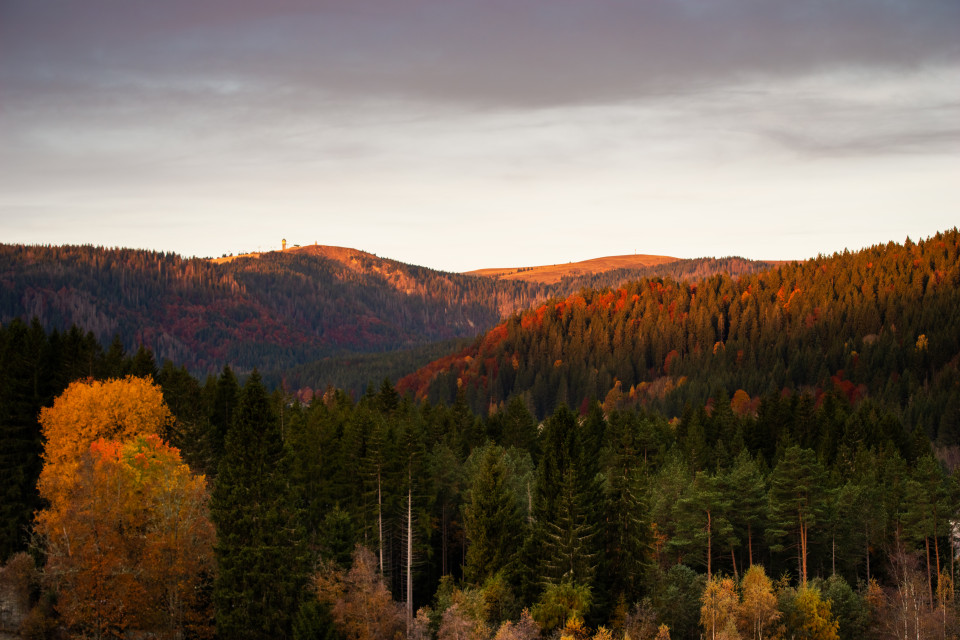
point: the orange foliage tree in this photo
(116, 409)
(362, 606)
(131, 543)
(127, 532)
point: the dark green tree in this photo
(337, 537)
(796, 500)
(143, 364)
(493, 522)
(704, 527)
(260, 552)
(744, 488)
(568, 504)
(626, 522)
(225, 400)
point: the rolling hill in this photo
(551, 274)
(301, 314)
(882, 323)
(272, 311)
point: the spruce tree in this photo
(568, 505)
(222, 414)
(626, 522)
(260, 551)
(493, 520)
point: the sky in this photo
(463, 134)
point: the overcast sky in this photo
(460, 134)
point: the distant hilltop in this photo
(550, 274)
(340, 254)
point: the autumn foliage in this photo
(127, 534)
(116, 409)
(362, 606)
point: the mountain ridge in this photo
(551, 274)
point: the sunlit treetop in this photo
(88, 410)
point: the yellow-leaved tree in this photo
(759, 616)
(127, 535)
(115, 409)
(719, 609)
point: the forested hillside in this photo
(767, 472)
(882, 323)
(275, 311)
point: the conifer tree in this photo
(796, 503)
(923, 520)
(518, 427)
(626, 518)
(567, 504)
(222, 413)
(494, 524)
(260, 551)
(143, 364)
(744, 487)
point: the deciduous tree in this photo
(115, 409)
(758, 614)
(718, 613)
(361, 603)
(130, 542)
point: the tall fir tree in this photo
(494, 524)
(568, 505)
(626, 521)
(222, 413)
(260, 549)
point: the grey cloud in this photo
(486, 53)
(905, 142)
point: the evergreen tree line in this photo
(882, 323)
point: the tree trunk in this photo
(750, 543)
(443, 545)
(936, 551)
(529, 504)
(380, 518)
(833, 555)
(409, 552)
(709, 551)
(926, 541)
(936, 543)
(803, 551)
